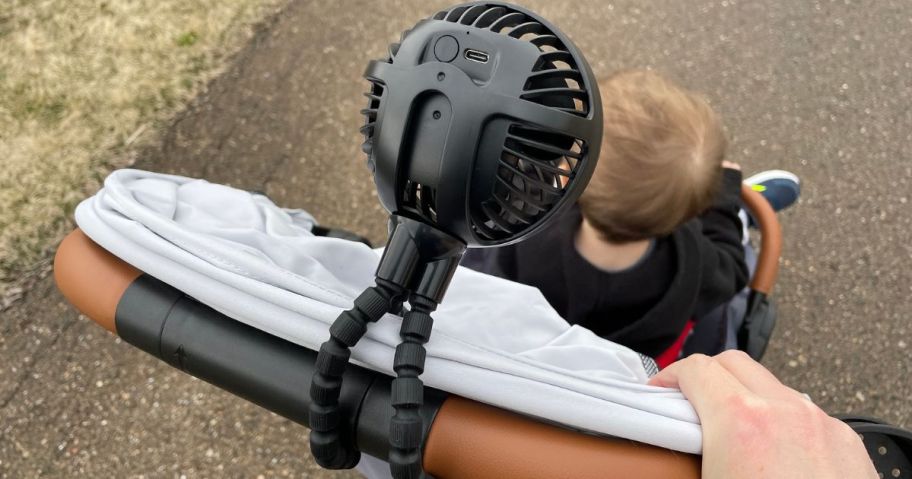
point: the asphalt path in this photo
(818, 88)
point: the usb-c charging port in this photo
(476, 55)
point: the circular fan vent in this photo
(556, 79)
(528, 162)
(374, 95)
(535, 170)
(536, 165)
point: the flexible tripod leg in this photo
(406, 427)
(421, 260)
(329, 448)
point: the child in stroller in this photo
(658, 238)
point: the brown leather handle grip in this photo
(473, 440)
(92, 279)
(770, 239)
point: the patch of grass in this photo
(26, 106)
(78, 79)
(187, 39)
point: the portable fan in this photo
(482, 124)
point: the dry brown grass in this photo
(83, 80)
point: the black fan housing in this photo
(484, 121)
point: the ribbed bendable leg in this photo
(406, 427)
(327, 445)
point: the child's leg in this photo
(736, 309)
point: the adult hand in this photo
(754, 427)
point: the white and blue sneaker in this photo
(780, 188)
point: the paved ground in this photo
(820, 88)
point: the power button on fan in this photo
(446, 49)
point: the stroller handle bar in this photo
(770, 239)
(463, 438)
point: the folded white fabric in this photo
(494, 341)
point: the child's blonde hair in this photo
(661, 158)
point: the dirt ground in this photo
(818, 88)
(82, 83)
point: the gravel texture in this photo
(818, 88)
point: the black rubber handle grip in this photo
(264, 369)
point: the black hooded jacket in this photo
(646, 306)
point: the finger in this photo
(704, 382)
(754, 376)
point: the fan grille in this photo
(555, 80)
(370, 116)
(420, 200)
(374, 97)
(536, 165)
(535, 168)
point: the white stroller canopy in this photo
(494, 341)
